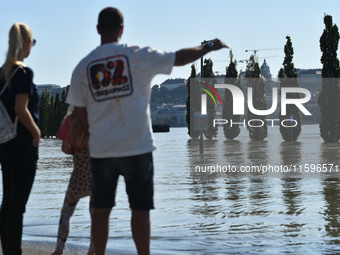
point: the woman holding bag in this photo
(19, 156)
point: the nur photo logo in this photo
(204, 97)
(280, 100)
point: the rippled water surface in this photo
(206, 212)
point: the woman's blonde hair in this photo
(78, 138)
(19, 35)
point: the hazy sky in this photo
(66, 30)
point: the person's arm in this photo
(24, 115)
(81, 118)
(189, 55)
(66, 147)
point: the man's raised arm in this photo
(189, 55)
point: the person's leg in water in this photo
(65, 225)
(100, 229)
(92, 250)
(105, 180)
(140, 226)
(80, 186)
(138, 175)
(65, 221)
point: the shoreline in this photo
(47, 248)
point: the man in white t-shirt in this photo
(110, 90)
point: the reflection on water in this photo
(267, 214)
(292, 196)
(330, 153)
(331, 194)
(200, 211)
(290, 153)
(258, 152)
(234, 151)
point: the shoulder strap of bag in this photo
(3, 89)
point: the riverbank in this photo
(44, 248)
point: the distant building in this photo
(51, 88)
(180, 113)
(311, 79)
(175, 115)
(309, 73)
(265, 70)
(219, 77)
(170, 84)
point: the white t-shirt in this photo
(113, 83)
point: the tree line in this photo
(328, 101)
(52, 111)
(162, 95)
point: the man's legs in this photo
(100, 229)
(138, 175)
(140, 225)
(104, 184)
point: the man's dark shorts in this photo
(138, 175)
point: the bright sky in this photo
(66, 31)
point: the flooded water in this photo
(215, 202)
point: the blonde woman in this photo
(19, 156)
(75, 143)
